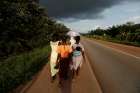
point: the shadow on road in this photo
(67, 85)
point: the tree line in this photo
(25, 25)
(126, 32)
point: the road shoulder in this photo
(125, 49)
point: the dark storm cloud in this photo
(78, 8)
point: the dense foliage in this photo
(25, 32)
(17, 70)
(129, 32)
(24, 25)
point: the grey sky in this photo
(79, 8)
(92, 13)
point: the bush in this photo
(19, 69)
(115, 40)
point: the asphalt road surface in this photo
(85, 83)
(110, 68)
(116, 68)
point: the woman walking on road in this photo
(53, 58)
(77, 56)
(64, 52)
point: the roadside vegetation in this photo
(19, 69)
(128, 33)
(25, 32)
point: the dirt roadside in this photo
(124, 48)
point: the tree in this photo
(24, 25)
(112, 31)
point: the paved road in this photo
(116, 71)
(109, 68)
(85, 82)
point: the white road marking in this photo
(118, 51)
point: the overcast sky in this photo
(83, 15)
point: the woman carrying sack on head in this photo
(77, 56)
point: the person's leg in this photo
(74, 67)
(51, 68)
(53, 78)
(60, 72)
(79, 63)
(53, 72)
(72, 73)
(60, 77)
(77, 71)
(66, 68)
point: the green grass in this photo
(137, 44)
(19, 69)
